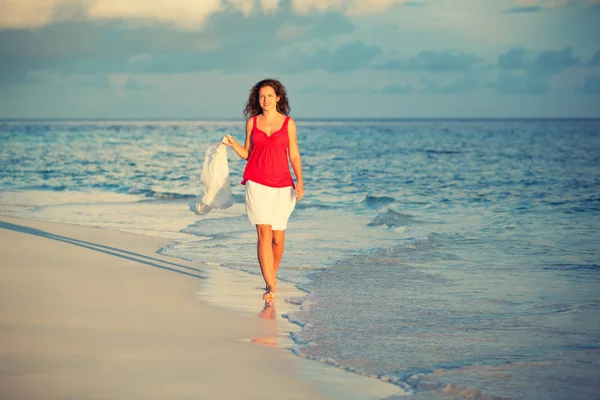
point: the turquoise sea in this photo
(456, 259)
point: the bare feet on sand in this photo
(270, 293)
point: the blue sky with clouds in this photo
(197, 59)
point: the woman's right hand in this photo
(228, 140)
(240, 150)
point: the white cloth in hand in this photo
(215, 179)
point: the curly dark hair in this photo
(253, 106)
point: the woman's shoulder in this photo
(291, 121)
(250, 122)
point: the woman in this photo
(270, 191)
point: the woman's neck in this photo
(270, 114)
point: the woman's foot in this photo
(270, 293)
(269, 296)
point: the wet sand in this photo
(88, 313)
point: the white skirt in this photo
(267, 205)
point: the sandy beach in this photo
(88, 313)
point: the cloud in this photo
(393, 89)
(434, 61)
(398, 88)
(442, 61)
(591, 86)
(391, 65)
(348, 57)
(552, 62)
(532, 6)
(345, 58)
(15, 77)
(524, 9)
(520, 82)
(322, 27)
(132, 84)
(242, 57)
(351, 7)
(94, 81)
(34, 13)
(595, 61)
(519, 74)
(549, 62)
(73, 48)
(464, 84)
(513, 59)
(185, 14)
(329, 90)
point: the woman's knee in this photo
(264, 232)
(278, 238)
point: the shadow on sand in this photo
(113, 251)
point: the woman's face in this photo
(267, 98)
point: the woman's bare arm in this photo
(242, 151)
(295, 159)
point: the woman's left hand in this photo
(299, 191)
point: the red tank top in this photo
(268, 161)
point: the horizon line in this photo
(296, 118)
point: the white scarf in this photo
(215, 179)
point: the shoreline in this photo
(144, 322)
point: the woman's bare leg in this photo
(264, 250)
(278, 244)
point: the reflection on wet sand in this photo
(268, 314)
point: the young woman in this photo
(270, 191)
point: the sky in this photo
(198, 59)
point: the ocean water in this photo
(456, 259)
